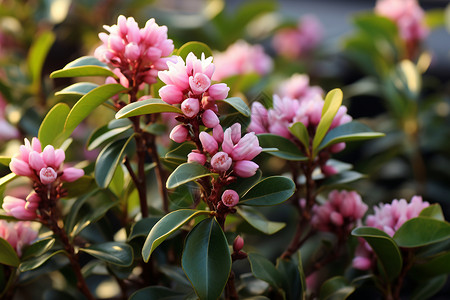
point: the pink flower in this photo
(190, 107)
(259, 121)
(171, 94)
(247, 147)
(210, 119)
(19, 167)
(71, 174)
(47, 175)
(238, 244)
(218, 133)
(197, 158)
(218, 91)
(209, 143)
(245, 168)
(199, 83)
(17, 234)
(16, 207)
(179, 134)
(297, 87)
(220, 162)
(230, 198)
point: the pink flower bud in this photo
(328, 170)
(218, 133)
(71, 174)
(218, 91)
(337, 147)
(245, 168)
(238, 244)
(199, 83)
(197, 158)
(20, 167)
(227, 144)
(132, 51)
(16, 207)
(59, 158)
(361, 263)
(247, 147)
(36, 145)
(116, 43)
(48, 156)
(336, 218)
(210, 119)
(190, 107)
(230, 198)
(35, 161)
(171, 94)
(235, 132)
(47, 175)
(179, 134)
(33, 197)
(208, 142)
(221, 162)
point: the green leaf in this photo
(336, 288)
(421, 231)
(434, 266)
(258, 221)
(142, 227)
(53, 124)
(83, 66)
(77, 90)
(333, 101)
(342, 178)
(37, 261)
(242, 185)
(38, 248)
(291, 282)
(302, 273)
(97, 141)
(384, 247)
(433, 211)
(7, 178)
(195, 47)
(80, 187)
(300, 131)
(239, 105)
(286, 149)
(88, 103)
(8, 255)
(5, 160)
(108, 160)
(206, 259)
(166, 227)
(155, 293)
(116, 253)
(145, 107)
(38, 53)
(263, 269)
(185, 173)
(427, 289)
(181, 152)
(353, 131)
(269, 191)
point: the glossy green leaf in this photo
(185, 173)
(38, 53)
(81, 186)
(53, 124)
(258, 221)
(108, 160)
(5, 160)
(384, 247)
(145, 107)
(38, 248)
(206, 259)
(88, 103)
(300, 131)
(181, 197)
(156, 293)
(8, 255)
(336, 288)
(107, 136)
(291, 282)
(353, 131)
(166, 227)
(422, 231)
(239, 105)
(142, 227)
(263, 269)
(37, 261)
(7, 178)
(242, 185)
(180, 153)
(269, 191)
(333, 101)
(342, 178)
(77, 90)
(434, 266)
(195, 47)
(427, 289)
(286, 149)
(433, 211)
(112, 252)
(83, 66)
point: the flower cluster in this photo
(135, 54)
(236, 151)
(17, 234)
(408, 16)
(389, 218)
(22, 209)
(342, 210)
(296, 42)
(42, 166)
(242, 58)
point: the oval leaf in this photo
(206, 259)
(83, 66)
(258, 221)
(96, 142)
(145, 107)
(353, 131)
(89, 102)
(120, 254)
(239, 105)
(384, 247)
(38, 248)
(38, 53)
(167, 226)
(185, 173)
(195, 47)
(8, 255)
(336, 288)
(284, 148)
(77, 90)
(270, 191)
(300, 131)
(7, 178)
(37, 261)
(263, 269)
(421, 231)
(108, 160)
(142, 227)
(53, 124)
(433, 211)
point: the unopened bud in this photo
(238, 244)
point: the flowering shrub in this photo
(202, 186)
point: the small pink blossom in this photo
(19, 167)
(209, 143)
(218, 91)
(71, 174)
(16, 207)
(171, 94)
(245, 168)
(199, 83)
(17, 234)
(47, 175)
(190, 107)
(179, 134)
(230, 198)
(195, 157)
(221, 162)
(210, 119)
(238, 244)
